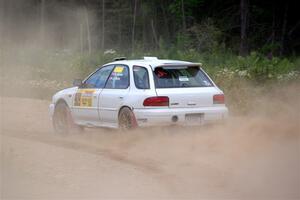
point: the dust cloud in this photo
(252, 156)
(40, 51)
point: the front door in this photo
(86, 100)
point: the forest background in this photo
(247, 46)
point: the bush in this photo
(241, 78)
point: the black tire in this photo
(127, 119)
(62, 120)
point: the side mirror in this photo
(77, 82)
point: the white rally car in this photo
(137, 93)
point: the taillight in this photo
(156, 101)
(219, 99)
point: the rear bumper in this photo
(165, 116)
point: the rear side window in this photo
(179, 77)
(119, 78)
(141, 77)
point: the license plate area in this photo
(194, 118)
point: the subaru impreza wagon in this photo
(138, 93)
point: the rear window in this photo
(179, 77)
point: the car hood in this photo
(62, 93)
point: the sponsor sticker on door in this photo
(84, 98)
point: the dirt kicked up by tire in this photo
(62, 120)
(254, 157)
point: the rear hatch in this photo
(185, 86)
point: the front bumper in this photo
(51, 110)
(165, 116)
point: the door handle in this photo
(121, 97)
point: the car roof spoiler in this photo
(178, 65)
(119, 58)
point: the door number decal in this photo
(84, 98)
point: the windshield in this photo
(178, 77)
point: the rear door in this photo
(113, 95)
(186, 86)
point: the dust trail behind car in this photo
(255, 155)
(251, 156)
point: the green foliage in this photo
(241, 78)
(224, 67)
(176, 6)
(205, 37)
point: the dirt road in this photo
(249, 157)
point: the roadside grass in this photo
(40, 74)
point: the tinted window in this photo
(178, 77)
(119, 78)
(98, 79)
(141, 78)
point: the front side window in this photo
(119, 78)
(141, 77)
(98, 79)
(179, 77)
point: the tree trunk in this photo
(291, 31)
(183, 16)
(42, 21)
(144, 30)
(119, 29)
(2, 22)
(154, 34)
(273, 26)
(244, 11)
(165, 22)
(81, 38)
(88, 30)
(133, 26)
(103, 26)
(283, 30)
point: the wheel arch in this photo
(61, 100)
(122, 107)
(131, 109)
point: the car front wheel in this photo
(62, 120)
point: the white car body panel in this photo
(111, 101)
(87, 115)
(104, 104)
(163, 116)
(189, 97)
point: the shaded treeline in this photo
(240, 26)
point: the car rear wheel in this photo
(62, 120)
(127, 119)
